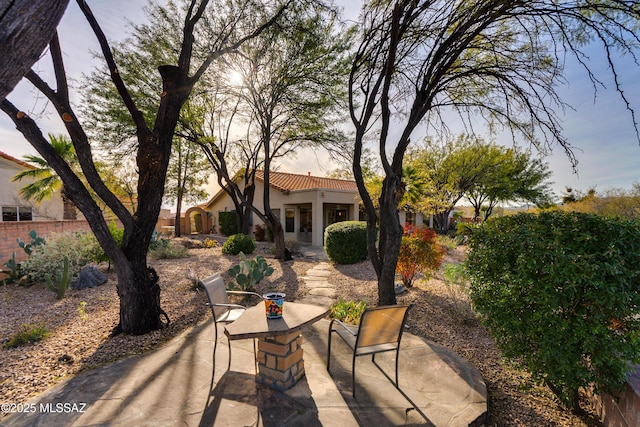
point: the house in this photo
(14, 207)
(305, 204)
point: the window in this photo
(16, 213)
(25, 214)
(290, 215)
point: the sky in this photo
(598, 126)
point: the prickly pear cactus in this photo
(248, 273)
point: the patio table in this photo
(280, 355)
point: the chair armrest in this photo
(244, 293)
(227, 305)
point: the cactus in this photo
(249, 273)
(35, 241)
(63, 279)
(13, 270)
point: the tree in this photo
(292, 86)
(45, 180)
(450, 170)
(208, 121)
(295, 68)
(614, 202)
(187, 174)
(26, 28)
(510, 177)
(138, 288)
(502, 61)
(150, 44)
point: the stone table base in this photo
(280, 362)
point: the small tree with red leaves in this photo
(419, 253)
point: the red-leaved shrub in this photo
(419, 253)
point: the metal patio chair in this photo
(222, 310)
(380, 330)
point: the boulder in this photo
(89, 277)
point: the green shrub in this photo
(346, 242)
(165, 249)
(228, 223)
(77, 246)
(447, 242)
(457, 285)
(466, 228)
(559, 292)
(27, 333)
(98, 254)
(238, 243)
(348, 311)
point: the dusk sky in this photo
(599, 127)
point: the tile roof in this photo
(14, 160)
(292, 182)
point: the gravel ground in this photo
(79, 328)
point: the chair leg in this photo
(255, 357)
(215, 345)
(229, 363)
(353, 375)
(397, 360)
(329, 351)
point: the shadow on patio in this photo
(174, 386)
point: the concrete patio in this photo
(177, 385)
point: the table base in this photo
(280, 363)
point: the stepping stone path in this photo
(321, 292)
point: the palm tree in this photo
(45, 181)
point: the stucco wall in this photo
(316, 198)
(50, 209)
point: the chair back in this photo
(216, 293)
(382, 325)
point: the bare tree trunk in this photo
(26, 28)
(390, 238)
(245, 209)
(178, 226)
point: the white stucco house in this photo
(14, 207)
(306, 204)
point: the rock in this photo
(65, 358)
(89, 277)
(400, 288)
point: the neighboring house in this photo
(15, 208)
(305, 204)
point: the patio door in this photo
(336, 214)
(306, 223)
